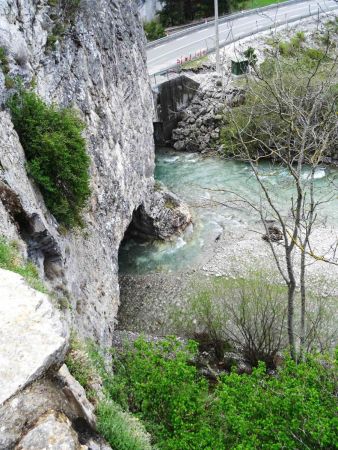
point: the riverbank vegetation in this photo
(159, 384)
(289, 116)
(56, 153)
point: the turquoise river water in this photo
(205, 183)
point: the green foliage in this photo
(153, 30)
(63, 14)
(295, 408)
(57, 33)
(4, 65)
(314, 54)
(195, 63)
(120, 429)
(177, 12)
(80, 363)
(259, 122)
(156, 381)
(56, 154)
(9, 82)
(237, 5)
(250, 55)
(10, 260)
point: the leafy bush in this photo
(120, 429)
(56, 154)
(314, 54)
(157, 381)
(10, 259)
(250, 55)
(87, 365)
(153, 30)
(295, 408)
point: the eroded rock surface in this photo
(53, 431)
(199, 129)
(97, 64)
(32, 339)
(162, 217)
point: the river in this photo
(204, 183)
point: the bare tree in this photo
(289, 118)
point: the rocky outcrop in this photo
(163, 217)
(148, 9)
(33, 338)
(199, 129)
(96, 64)
(53, 429)
(41, 405)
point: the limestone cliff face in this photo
(98, 66)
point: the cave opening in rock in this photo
(140, 232)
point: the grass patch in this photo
(122, 430)
(10, 259)
(56, 154)
(195, 63)
(238, 5)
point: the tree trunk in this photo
(291, 331)
(302, 306)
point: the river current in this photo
(207, 185)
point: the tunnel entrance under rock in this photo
(140, 232)
(141, 227)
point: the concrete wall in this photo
(171, 99)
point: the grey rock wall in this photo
(148, 9)
(98, 66)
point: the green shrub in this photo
(314, 54)
(10, 259)
(56, 154)
(9, 82)
(156, 381)
(285, 48)
(4, 65)
(250, 55)
(153, 30)
(120, 429)
(63, 15)
(295, 408)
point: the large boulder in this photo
(33, 338)
(53, 431)
(163, 216)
